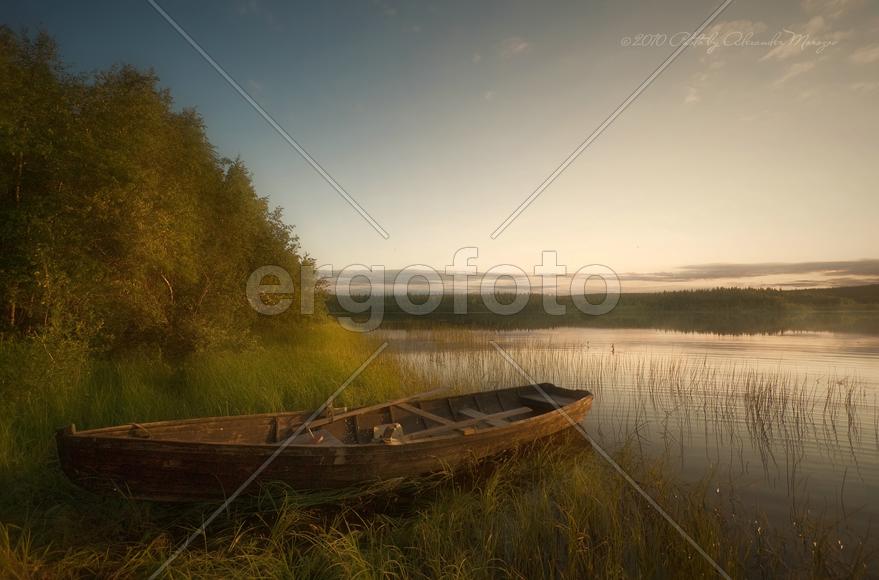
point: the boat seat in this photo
(474, 414)
(538, 401)
(470, 424)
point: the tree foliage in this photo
(121, 225)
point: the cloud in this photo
(840, 270)
(814, 36)
(808, 94)
(793, 71)
(815, 25)
(773, 274)
(735, 28)
(864, 86)
(513, 46)
(831, 8)
(726, 34)
(865, 54)
(817, 33)
(823, 283)
(693, 96)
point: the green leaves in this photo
(120, 224)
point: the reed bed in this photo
(711, 420)
(555, 510)
(839, 414)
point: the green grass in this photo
(43, 390)
(557, 510)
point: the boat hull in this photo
(169, 470)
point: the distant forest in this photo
(722, 310)
(121, 225)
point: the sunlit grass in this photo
(556, 511)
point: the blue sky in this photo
(440, 118)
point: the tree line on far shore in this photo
(721, 310)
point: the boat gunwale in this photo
(99, 434)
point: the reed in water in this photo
(556, 510)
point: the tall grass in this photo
(555, 511)
(44, 388)
(837, 413)
(714, 420)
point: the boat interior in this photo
(404, 420)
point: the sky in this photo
(750, 160)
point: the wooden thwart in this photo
(426, 414)
(362, 410)
(433, 417)
(467, 423)
(474, 414)
(538, 401)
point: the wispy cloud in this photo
(821, 27)
(513, 46)
(693, 96)
(724, 29)
(865, 54)
(830, 8)
(840, 270)
(794, 71)
(864, 86)
(771, 274)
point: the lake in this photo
(782, 429)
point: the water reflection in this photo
(789, 423)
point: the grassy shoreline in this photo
(556, 511)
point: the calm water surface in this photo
(781, 425)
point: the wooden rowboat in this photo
(209, 458)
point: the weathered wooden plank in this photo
(467, 423)
(474, 414)
(538, 400)
(379, 406)
(426, 414)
